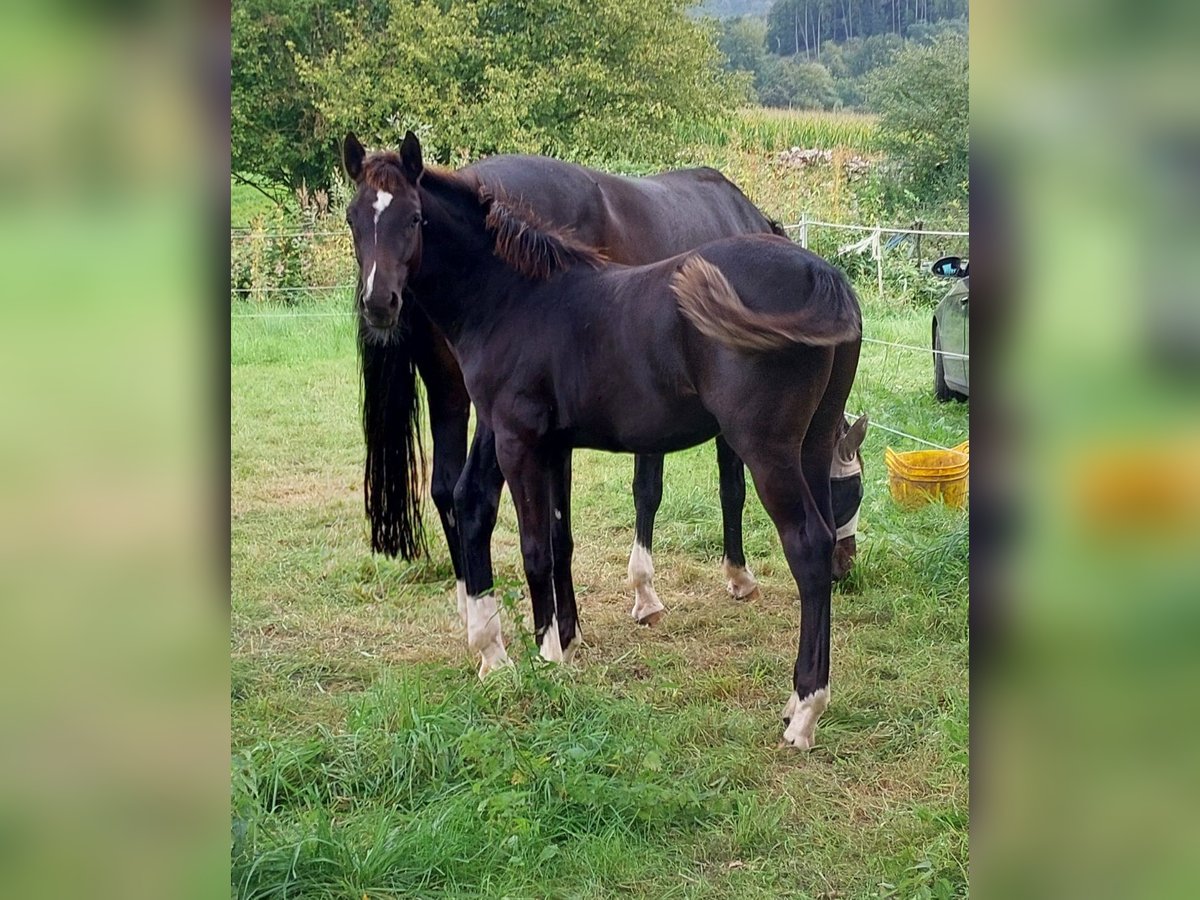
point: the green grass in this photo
(369, 760)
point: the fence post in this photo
(918, 226)
(804, 230)
(878, 253)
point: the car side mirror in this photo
(949, 267)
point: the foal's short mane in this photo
(383, 171)
(525, 243)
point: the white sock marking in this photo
(739, 580)
(483, 632)
(641, 576)
(370, 284)
(804, 714)
(551, 643)
(461, 588)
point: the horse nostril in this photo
(394, 303)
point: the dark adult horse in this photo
(559, 350)
(634, 220)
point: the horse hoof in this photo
(653, 618)
(739, 582)
(752, 597)
(487, 666)
(800, 743)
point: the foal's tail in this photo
(830, 316)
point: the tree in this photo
(922, 100)
(593, 79)
(796, 84)
(273, 116)
(743, 41)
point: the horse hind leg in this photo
(647, 495)
(784, 486)
(739, 580)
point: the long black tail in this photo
(394, 480)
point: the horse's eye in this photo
(416, 220)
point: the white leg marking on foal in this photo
(739, 580)
(572, 645)
(558, 514)
(461, 588)
(551, 643)
(804, 714)
(641, 575)
(483, 632)
(370, 283)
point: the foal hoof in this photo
(800, 717)
(740, 582)
(754, 595)
(489, 664)
(652, 618)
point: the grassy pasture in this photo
(368, 760)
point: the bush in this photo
(796, 85)
(594, 80)
(291, 250)
(922, 100)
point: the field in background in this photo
(369, 759)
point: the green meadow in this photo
(368, 760)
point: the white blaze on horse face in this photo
(382, 199)
(370, 284)
(803, 715)
(646, 605)
(739, 580)
(483, 633)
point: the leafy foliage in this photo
(923, 103)
(274, 122)
(593, 80)
(796, 84)
(743, 41)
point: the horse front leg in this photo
(647, 495)
(476, 504)
(531, 471)
(739, 580)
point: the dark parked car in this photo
(951, 332)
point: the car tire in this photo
(942, 391)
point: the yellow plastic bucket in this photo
(919, 476)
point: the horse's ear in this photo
(853, 438)
(410, 157)
(353, 155)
